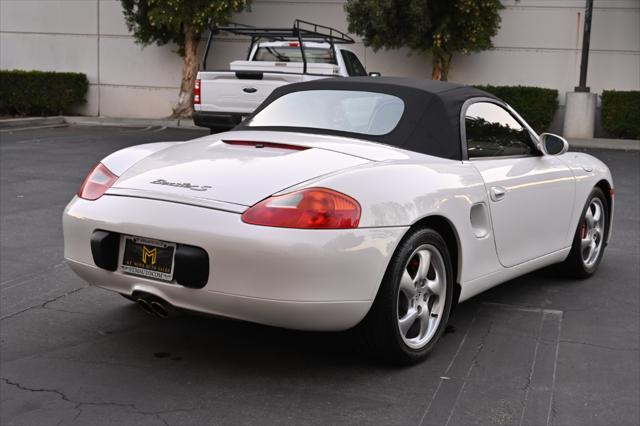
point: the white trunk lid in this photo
(211, 170)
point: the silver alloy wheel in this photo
(421, 296)
(592, 232)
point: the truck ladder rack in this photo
(301, 31)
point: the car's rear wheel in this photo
(412, 306)
(589, 240)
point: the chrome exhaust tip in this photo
(155, 305)
(160, 309)
(145, 305)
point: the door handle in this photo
(497, 193)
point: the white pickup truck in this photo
(277, 56)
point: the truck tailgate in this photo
(224, 91)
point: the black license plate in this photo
(148, 258)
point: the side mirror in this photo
(553, 144)
(375, 74)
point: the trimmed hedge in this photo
(41, 92)
(536, 105)
(621, 113)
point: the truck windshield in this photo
(315, 55)
(349, 111)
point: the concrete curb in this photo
(35, 122)
(18, 123)
(133, 122)
(601, 143)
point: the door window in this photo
(353, 64)
(493, 132)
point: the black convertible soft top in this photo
(430, 123)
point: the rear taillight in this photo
(311, 208)
(196, 93)
(97, 182)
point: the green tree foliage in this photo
(181, 22)
(439, 28)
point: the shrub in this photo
(621, 113)
(41, 92)
(536, 105)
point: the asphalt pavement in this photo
(537, 350)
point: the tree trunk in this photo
(441, 65)
(184, 108)
(436, 72)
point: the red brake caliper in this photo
(583, 230)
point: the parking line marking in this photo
(468, 374)
(27, 279)
(532, 369)
(446, 372)
(555, 369)
(524, 308)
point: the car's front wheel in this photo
(589, 239)
(412, 306)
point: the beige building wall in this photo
(538, 44)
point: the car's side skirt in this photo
(478, 285)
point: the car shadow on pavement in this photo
(206, 340)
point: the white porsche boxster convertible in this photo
(372, 202)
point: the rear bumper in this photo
(323, 316)
(299, 279)
(218, 121)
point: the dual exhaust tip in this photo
(156, 306)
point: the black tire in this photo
(574, 265)
(380, 330)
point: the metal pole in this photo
(586, 38)
(253, 41)
(206, 51)
(304, 56)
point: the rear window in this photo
(350, 111)
(292, 54)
